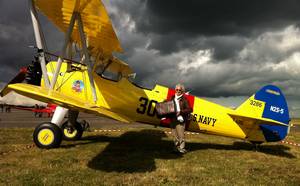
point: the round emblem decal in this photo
(77, 86)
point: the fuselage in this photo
(137, 103)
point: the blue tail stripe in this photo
(274, 133)
(276, 107)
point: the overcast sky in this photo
(225, 50)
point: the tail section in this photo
(268, 109)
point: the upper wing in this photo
(97, 25)
(46, 95)
(100, 35)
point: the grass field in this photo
(144, 157)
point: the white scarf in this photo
(177, 102)
(179, 118)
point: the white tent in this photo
(16, 99)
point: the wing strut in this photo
(75, 17)
(41, 45)
(86, 56)
(40, 41)
(64, 50)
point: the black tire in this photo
(72, 133)
(47, 135)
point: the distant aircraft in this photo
(39, 110)
(100, 83)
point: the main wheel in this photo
(47, 135)
(73, 132)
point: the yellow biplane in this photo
(100, 83)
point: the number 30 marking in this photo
(144, 106)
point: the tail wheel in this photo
(47, 135)
(256, 142)
(72, 132)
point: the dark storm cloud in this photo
(270, 58)
(191, 19)
(175, 25)
(13, 12)
(215, 17)
(16, 35)
(224, 46)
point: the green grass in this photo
(144, 157)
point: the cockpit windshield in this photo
(115, 76)
(139, 83)
(101, 71)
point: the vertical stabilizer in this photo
(268, 104)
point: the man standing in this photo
(179, 119)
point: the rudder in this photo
(275, 104)
(276, 108)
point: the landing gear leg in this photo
(49, 135)
(72, 129)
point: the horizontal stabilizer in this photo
(257, 120)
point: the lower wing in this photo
(51, 96)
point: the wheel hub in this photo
(45, 136)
